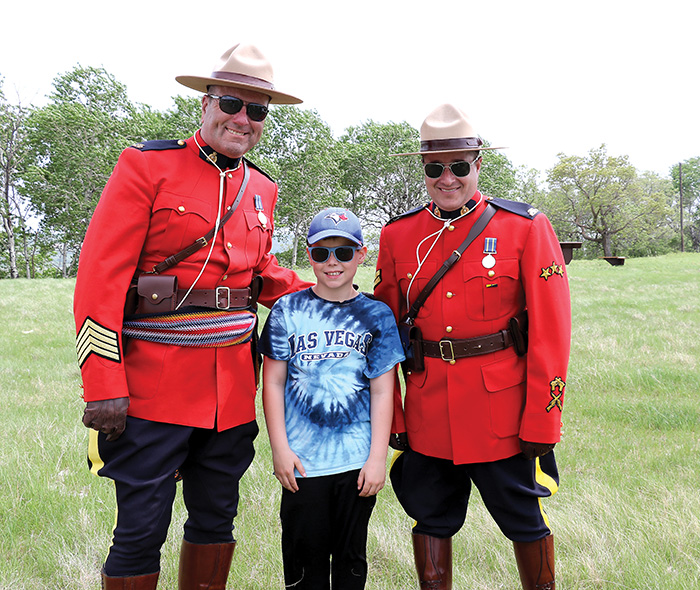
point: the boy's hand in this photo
(284, 464)
(372, 477)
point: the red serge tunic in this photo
(476, 409)
(160, 198)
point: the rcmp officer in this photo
(180, 397)
(482, 409)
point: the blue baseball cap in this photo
(335, 222)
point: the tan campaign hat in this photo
(448, 129)
(242, 66)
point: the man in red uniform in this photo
(178, 396)
(482, 410)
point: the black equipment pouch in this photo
(411, 337)
(518, 327)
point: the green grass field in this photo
(627, 515)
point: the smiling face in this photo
(333, 278)
(231, 135)
(450, 192)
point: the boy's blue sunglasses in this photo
(341, 253)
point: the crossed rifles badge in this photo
(556, 390)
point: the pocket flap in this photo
(504, 373)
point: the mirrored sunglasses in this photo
(231, 105)
(341, 253)
(460, 169)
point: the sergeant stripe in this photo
(96, 339)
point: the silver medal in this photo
(488, 261)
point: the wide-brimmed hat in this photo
(242, 66)
(448, 129)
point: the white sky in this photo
(540, 77)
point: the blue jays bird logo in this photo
(337, 217)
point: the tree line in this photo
(55, 160)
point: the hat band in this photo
(243, 79)
(459, 143)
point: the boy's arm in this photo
(373, 474)
(283, 458)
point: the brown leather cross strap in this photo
(449, 350)
(475, 230)
(199, 243)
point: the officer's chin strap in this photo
(437, 235)
(222, 179)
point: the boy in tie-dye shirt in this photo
(328, 376)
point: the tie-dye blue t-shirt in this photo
(332, 350)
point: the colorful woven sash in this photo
(200, 329)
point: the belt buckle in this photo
(227, 292)
(451, 351)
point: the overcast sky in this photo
(539, 77)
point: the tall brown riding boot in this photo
(205, 567)
(147, 582)
(433, 562)
(536, 563)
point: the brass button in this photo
(181, 208)
(452, 362)
(230, 175)
(491, 273)
(450, 295)
(409, 275)
(224, 277)
(451, 228)
(154, 296)
(448, 329)
(180, 142)
(229, 245)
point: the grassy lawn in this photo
(627, 515)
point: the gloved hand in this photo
(532, 449)
(399, 441)
(107, 416)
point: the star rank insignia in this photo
(553, 269)
(96, 339)
(556, 390)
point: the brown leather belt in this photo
(449, 350)
(219, 298)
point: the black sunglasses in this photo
(341, 253)
(460, 169)
(231, 105)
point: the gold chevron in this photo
(96, 339)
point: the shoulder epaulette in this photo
(522, 209)
(160, 144)
(256, 167)
(406, 214)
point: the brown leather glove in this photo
(399, 441)
(107, 416)
(532, 449)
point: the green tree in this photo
(603, 198)
(298, 150)
(379, 185)
(10, 156)
(498, 178)
(75, 140)
(690, 174)
(178, 122)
